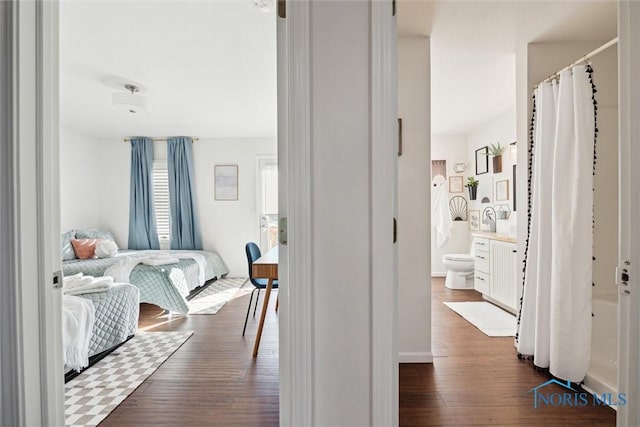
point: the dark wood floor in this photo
(478, 380)
(213, 380)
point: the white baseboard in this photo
(438, 274)
(415, 357)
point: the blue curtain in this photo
(185, 228)
(143, 233)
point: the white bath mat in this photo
(491, 320)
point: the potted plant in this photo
(496, 150)
(472, 185)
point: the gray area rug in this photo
(214, 297)
(93, 394)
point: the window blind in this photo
(161, 199)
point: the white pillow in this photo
(106, 248)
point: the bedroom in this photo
(203, 70)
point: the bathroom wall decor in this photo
(488, 220)
(485, 189)
(458, 208)
(438, 167)
(455, 184)
(482, 160)
(502, 190)
(459, 167)
(503, 211)
(474, 220)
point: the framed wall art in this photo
(474, 220)
(482, 160)
(438, 167)
(456, 184)
(225, 182)
(502, 190)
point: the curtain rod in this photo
(193, 139)
(588, 56)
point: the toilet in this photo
(460, 268)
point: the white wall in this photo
(226, 225)
(79, 180)
(414, 203)
(453, 149)
(501, 129)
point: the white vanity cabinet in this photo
(503, 287)
(481, 282)
(496, 270)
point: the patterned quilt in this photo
(165, 286)
(117, 312)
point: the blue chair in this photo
(253, 253)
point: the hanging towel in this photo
(440, 217)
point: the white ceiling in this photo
(473, 45)
(208, 68)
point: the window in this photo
(161, 199)
(268, 202)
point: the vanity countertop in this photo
(495, 236)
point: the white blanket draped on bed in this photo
(121, 271)
(78, 316)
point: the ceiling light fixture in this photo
(132, 101)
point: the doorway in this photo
(268, 202)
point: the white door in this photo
(31, 362)
(268, 202)
(629, 227)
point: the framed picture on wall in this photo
(502, 190)
(438, 168)
(456, 184)
(482, 160)
(225, 182)
(474, 220)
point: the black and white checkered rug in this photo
(216, 295)
(93, 394)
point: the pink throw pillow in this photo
(84, 248)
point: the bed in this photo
(116, 320)
(166, 286)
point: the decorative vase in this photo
(473, 191)
(497, 164)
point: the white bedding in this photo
(78, 317)
(121, 270)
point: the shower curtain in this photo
(555, 314)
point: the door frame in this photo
(31, 340)
(295, 204)
(629, 200)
